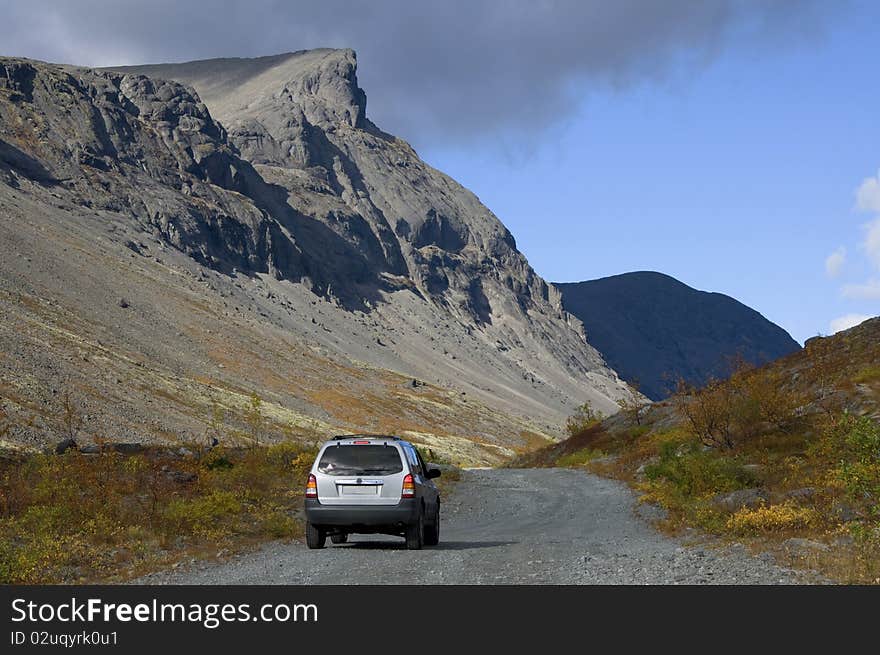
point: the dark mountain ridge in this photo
(653, 329)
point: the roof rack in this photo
(343, 437)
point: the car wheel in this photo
(432, 530)
(315, 537)
(338, 538)
(415, 533)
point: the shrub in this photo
(694, 472)
(773, 518)
(579, 457)
(279, 525)
(853, 443)
(75, 516)
(632, 406)
(206, 516)
(708, 412)
(752, 401)
(583, 418)
(867, 375)
(765, 396)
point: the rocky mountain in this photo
(178, 237)
(654, 329)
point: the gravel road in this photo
(507, 526)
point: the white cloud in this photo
(872, 241)
(835, 261)
(870, 290)
(868, 194)
(848, 321)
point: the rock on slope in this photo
(654, 329)
(290, 248)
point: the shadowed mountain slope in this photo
(653, 329)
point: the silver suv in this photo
(372, 484)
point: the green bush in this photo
(696, 472)
(856, 441)
(579, 457)
(279, 525)
(204, 516)
(867, 375)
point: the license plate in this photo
(358, 490)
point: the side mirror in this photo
(432, 473)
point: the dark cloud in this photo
(447, 71)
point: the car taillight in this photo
(409, 487)
(312, 487)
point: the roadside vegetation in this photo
(783, 458)
(451, 473)
(112, 511)
(584, 418)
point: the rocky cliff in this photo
(262, 184)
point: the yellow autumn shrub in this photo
(772, 518)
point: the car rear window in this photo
(360, 460)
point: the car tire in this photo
(315, 537)
(415, 533)
(338, 538)
(432, 530)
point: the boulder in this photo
(181, 477)
(64, 445)
(127, 448)
(736, 500)
(844, 511)
(804, 493)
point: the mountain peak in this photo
(268, 176)
(655, 329)
(321, 85)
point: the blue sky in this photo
(741, 178)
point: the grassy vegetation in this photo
(787, 451)
(579, 457)
(108, 516)
(867, 375)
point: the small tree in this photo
(632, 406)
(584, 417)
(256, 422)
(778, 401)
(708, 411)
(71, 419)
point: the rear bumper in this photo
(364, 516)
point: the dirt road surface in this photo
(508, 526)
